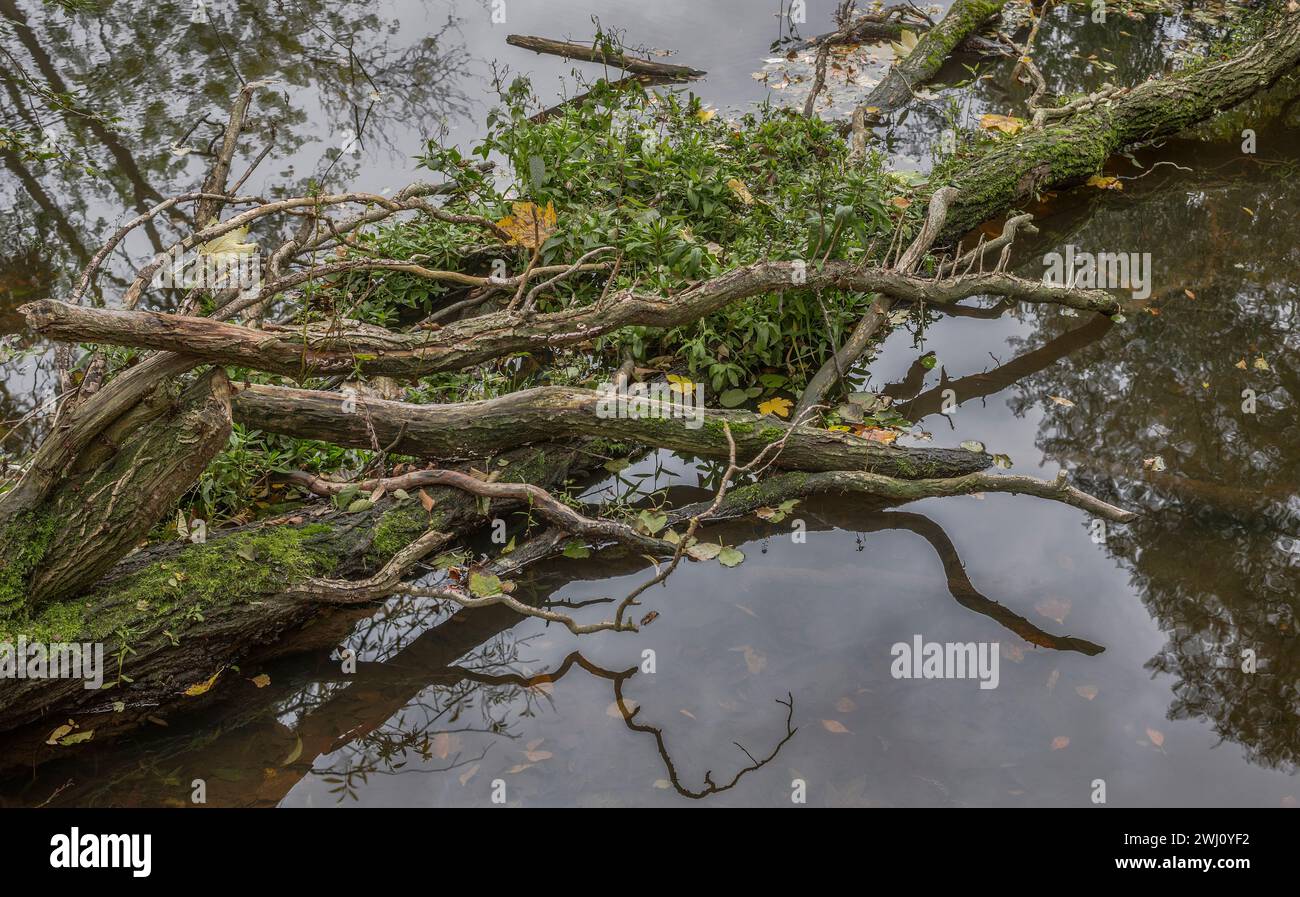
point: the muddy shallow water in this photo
(441, 708)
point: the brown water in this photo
(442, 707)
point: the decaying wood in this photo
(902, 80)
(472, 429)
(594, 53)
(322, 349)
(1071, 149)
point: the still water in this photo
(777, 671)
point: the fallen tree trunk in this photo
(557, 412)
(173, 615)
(106, 507)
(964, 17)
(1073, 145)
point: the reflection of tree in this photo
(1216, 561)
(137, 96)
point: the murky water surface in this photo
(777, 670)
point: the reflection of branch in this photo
(710, 786)
(975, 386)
(967, 596)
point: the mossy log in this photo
(964, 17)
(173, 615)
(1069, 149)
(556, 412)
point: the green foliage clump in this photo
(683, 195)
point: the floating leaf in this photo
(755, 661)
(1156, 463)
(1157, 737)
(1003, 461)
(731, 557)
(1086, 691)
(834, 725)
(1062, 401)
(262, 680)
(704, 551)
(972, 445)
(1060, 743)
(78, 738)
(1054, 608)
(1105, 183)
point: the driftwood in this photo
(616, 58)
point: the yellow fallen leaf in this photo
(60, 732)
(1062, 401)
(443, 744)
(1007, 124)
(741, 191)
(900, 202)
(706, 114)
(755, 661)
(1261, 364)
(229, 245)
(261, 680)
(1054, 608)
(201, 688)
(1241, 365)
(778, 406)
(878, 434)
(1105, 183)
(679, 384)
(530, 225)
(845, 705)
